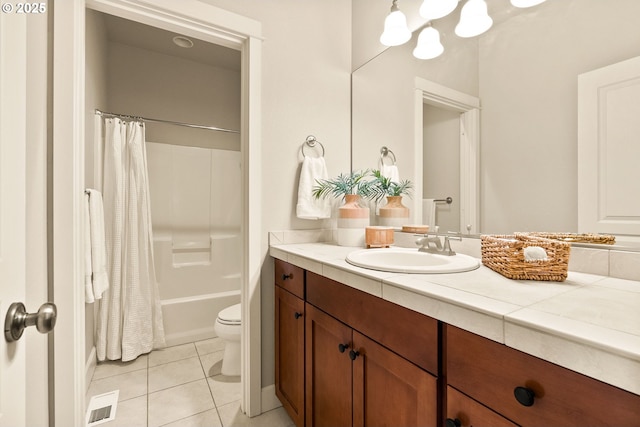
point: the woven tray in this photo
(605, 239)
(505, 254)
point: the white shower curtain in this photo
(130, 316)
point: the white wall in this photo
(306, 63)
(150, 84)
(528, 89)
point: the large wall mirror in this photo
(524, 72)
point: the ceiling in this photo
(120, 30)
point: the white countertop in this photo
(588, 323)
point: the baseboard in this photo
(90, 368)
(269, 400)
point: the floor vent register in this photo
(102, 408)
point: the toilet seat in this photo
(231, 315)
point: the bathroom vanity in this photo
(361, 364)
(360, 347)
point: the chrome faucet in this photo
(431, 243)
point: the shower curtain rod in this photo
(146, 119)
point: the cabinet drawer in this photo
(490, 372)
(290, 277)
(412, 335)
(469, 413)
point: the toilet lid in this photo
(230, 314)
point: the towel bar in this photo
(385, 152)
(311, 143)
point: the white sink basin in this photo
(405, 260)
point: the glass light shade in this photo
(434, 9)
(428, 45)
(396, 31)
(474, 19)
(526, 3)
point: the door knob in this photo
(17, 319)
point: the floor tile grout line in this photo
(215, 405)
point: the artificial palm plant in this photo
(343, 185)
(381, 186)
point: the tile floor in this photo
(178, 386)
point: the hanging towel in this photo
(391, 172)
(96, 261)
(429, 213)
(313, 168)
(88, 285)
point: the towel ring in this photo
(311, 143)
(384, 152)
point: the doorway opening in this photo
(190, 18)
(441, 98)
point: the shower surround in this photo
(195, 212)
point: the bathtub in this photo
(196, 280)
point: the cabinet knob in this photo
(525, 396)
(342, 347)
(353, 354)
(297, 315)
(287, 276)
(452, 423)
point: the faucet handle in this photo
(447, 244)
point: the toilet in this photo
(228, 326)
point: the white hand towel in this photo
(391, 172)
(88, 285)
(308, 207)
(99, 278)
(429, 213)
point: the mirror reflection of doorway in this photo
(447, 147)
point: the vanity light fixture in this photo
(428, 46)
(474, 19)
(434, 9)
(526, 3)
(396, 31)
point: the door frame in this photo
(192, 18)
(428, 92)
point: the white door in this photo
(13, 46)
(609, 149)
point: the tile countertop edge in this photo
(626, 377)
(607, 355)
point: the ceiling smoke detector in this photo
(182, 41)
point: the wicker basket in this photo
(505, 254)
(605, 239)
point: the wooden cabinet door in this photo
(388, 390)
(289, 317)
(328, 370)
(470, 413)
